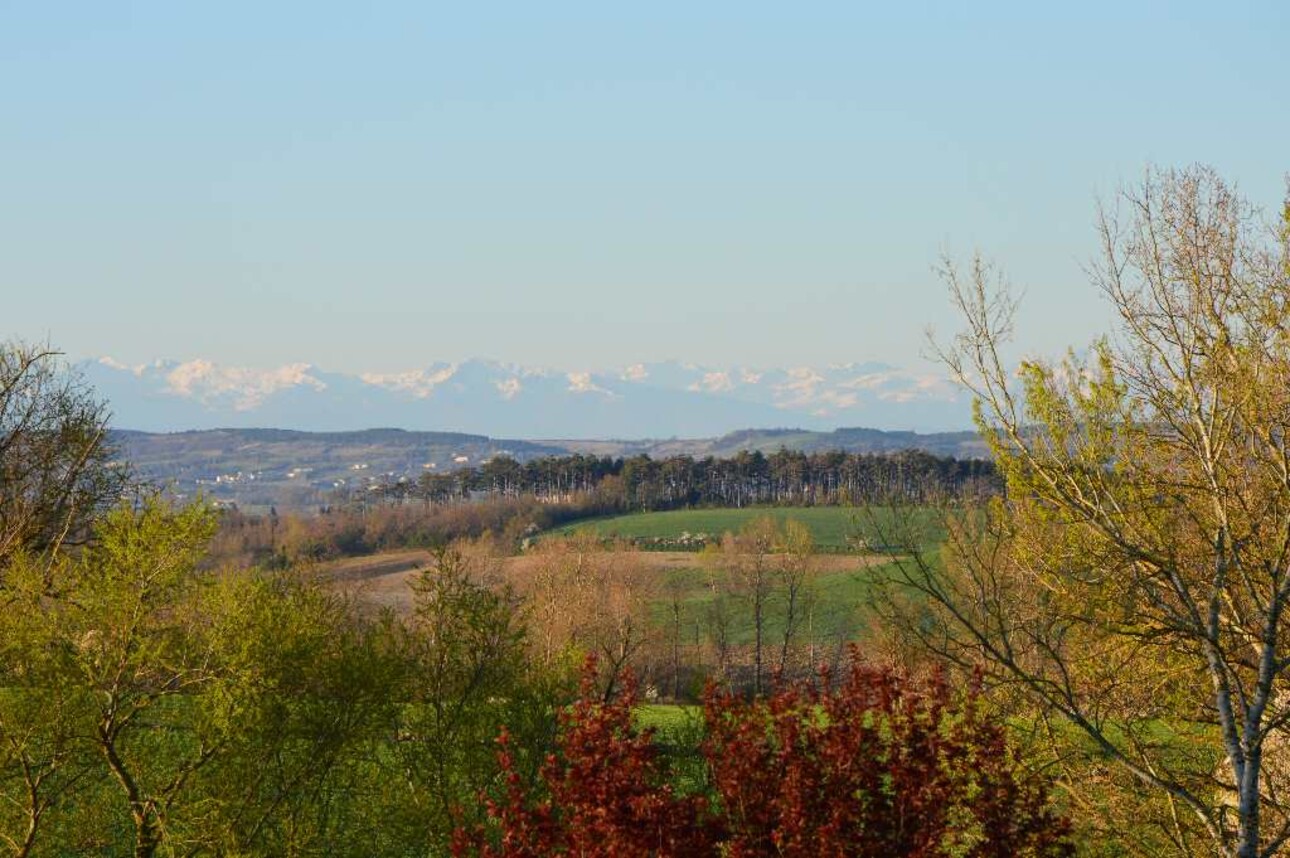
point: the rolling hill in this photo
(294, 469)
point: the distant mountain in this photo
(669, 399)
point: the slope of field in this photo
(259, 468)
(834, 528)
(840, 583)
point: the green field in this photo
(838, 592)
(835, 601)
(670, 719)
(834, 528)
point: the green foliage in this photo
(1132, 581)
(150, 707)
(57, 468)
(466, 651)
(311, 692)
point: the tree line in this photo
(510, 501)
(783, 478)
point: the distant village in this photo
(312, 485)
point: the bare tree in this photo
(673, 587)
(588, 597)
(795, 571)
(1134, 581)
(718, 618)
(751, 565)
(57, 465)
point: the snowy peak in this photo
(420, 383)
(821, 392)
(639, 400)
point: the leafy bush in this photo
(874, 765)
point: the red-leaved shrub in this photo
(874, 765)
(607, 793)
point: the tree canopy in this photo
(1133, 583)
(57, 467)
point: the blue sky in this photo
(379, 186)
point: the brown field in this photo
(383, 579)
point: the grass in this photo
(668, 719)
(836, 600)
(678, 732)
(838, 592)
(834, 528)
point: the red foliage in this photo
(873, 766)
(607, 793)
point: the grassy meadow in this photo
(835, 528)
(850, 554)
(835, 601)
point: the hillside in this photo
(263, 467)
(298, 470)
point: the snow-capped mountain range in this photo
(656, 400)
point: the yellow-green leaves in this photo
(1138, 571)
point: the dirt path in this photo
(353, 569)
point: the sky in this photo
(375, 187)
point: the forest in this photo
(639, 483)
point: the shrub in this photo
(874, 765)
